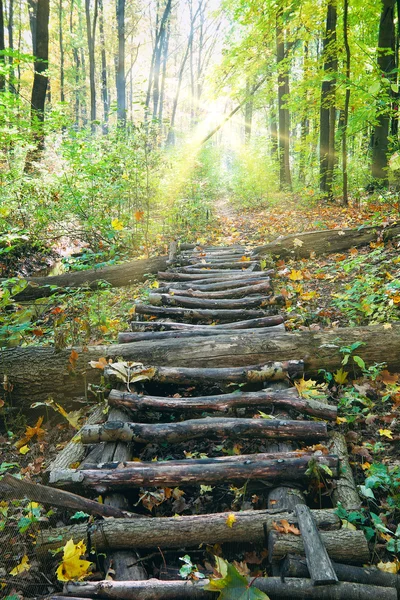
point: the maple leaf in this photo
(72, 567)
(308, 295)
(295, 275)
(139, 214)
(22, 567)
(73, 357)
(340, 420)
(386, 433)
(285, 527)
(340, 376)
(232, 585)
(244, 258)
(306, 387)
(387, 326)
(230, 520)
(117, 225)
(30, 432)
(297, 243)
(389, 567)
(24, 449)
(388, 378)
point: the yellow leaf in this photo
(295, 275)
(72, 567)
(387, 326)
(117, 225)
(347, 525)
(305, 386)
(365, 466)
(245, 258)
(308, 295)
(386, 433)
(340, 376)
(22, 567)
(230, 520)
(297, 243)
(31, 432)
(155, 284)
(24, 449)
(389, 567)
(340, 420)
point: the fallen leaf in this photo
(386, 433)
(298, 243)
(72, 567)
(139, 214)
(389, 567)
(101, 363)
(340, 376)
(230, 520)
(24, 450)
(22, 567)
(30, 432)
(295, 275)
(285, 527)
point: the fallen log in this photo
(239, 292)
(217, 284)
(203, 428)
(296, 566)
(226, 402)
(318, 562)
(269, 321)
(237, 264)
(17, 489)
(290, 589)
(35, 373)
(301, 245)
(207, 471)
(175, 532)
(199, 314)
(272, 371)
(345, 545)
(214, 303)
(213, 272)
(202, 248)
(214, 277)
(345, 491)
(115, 276)
(127, 337)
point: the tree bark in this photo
(13, 489)
(214, 277)
(327, 110)
(290, 589)
(213, 284)
(296, 566)
(346, 102)
(326, 241)
(199, 314)
(120, 79)
(240, 292)
(2, 48)
(386, 64)
(61, 46)
(212, 303)
(175, 532)
(289, 399)
(345, 490)
(40, 79)
(208, 471)
(91, 36)
(169, 326)
(115, 276)
(104, 87)
(37, 373)
(344, 545)
(203, 428)
(285, 178)
(128, 337)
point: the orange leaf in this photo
(139, 214)
(285, 527)
(99, 364)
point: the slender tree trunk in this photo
(273, 126)
(33, 5)
(75, 54)
(2, 48)
(327, 110)
(121, 84)
(91, 33)
(10, 28)
(248, 114)
(164, 73)
(346, 102)
(104, 89)
(40, 79)
(60, 39)
(283, 112)
(386, 50)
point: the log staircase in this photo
(207, 291)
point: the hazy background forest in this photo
(121, 122)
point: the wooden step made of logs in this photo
(219, 285)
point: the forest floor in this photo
(359, 287)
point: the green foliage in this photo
(188, 570)
(232, 585)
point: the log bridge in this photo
(290, 445)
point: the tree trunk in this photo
(2, 48)
(386, 51)
(104, 88)
(116, 276)
(127, 337)
(288, 399)
(206, 428)
(10, 28)
(327, 111)
(120, 79)
(283, 112)
(199, 314)
(208, 471)
(346, 102)
(91, 36)
(175, 532)
(326, 241)
(169, 326)
(274, 587)
(37, 373)
(61, 46)
(344, 545)
(240, 292)
(40, 80)
(248, 114)
(211, 303)
(345, 491)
